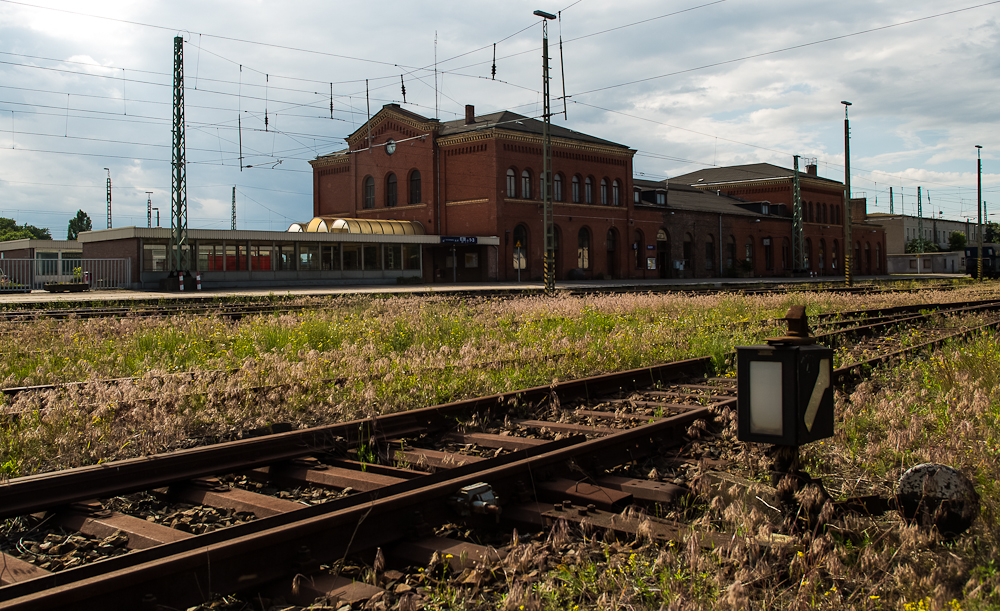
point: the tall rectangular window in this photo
(154, 257)
(411, 256)
(331, 257)
(352, 257)
(260, 258)
(393, 256)
(309, 257)
(370, 253)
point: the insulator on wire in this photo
(494, 71)
(403, 87)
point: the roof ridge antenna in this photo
(437, 113)
(562, 68)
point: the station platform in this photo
(595, 286)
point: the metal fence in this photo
(23, 275)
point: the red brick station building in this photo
(480, 176)
(414, 199)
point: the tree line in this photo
(10, 230)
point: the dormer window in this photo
(661, 198)
(765, 209)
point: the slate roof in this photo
(503, 119)
(681, 196)
(743, 173)
(508, 120)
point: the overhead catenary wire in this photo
(437, 112)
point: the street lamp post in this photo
(550, 250)
(157, 210)
(848, 247)
(979, 207)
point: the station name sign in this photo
(450, 239)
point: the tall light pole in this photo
(979, 207)
(549, 263)
(157, 216)
(848, 247)
(109, 197)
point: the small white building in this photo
(901, 228)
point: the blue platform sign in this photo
(450, 239)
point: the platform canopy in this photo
(325, 224)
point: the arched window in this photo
(604, 191)
(525, 184)
(583, 248)
(878, 257)
(576, 189)
(415, 187)
(825, 215)
(688, 252)
(616, 193)
(588, 191)
(369, 192)
(390, 190)
(835, 255)
(520, 247)
(731, 252)
(748, 253)
(511, 183)
(709, 252)
(557, 184)
(821, 255)
(807, 255)
(639, 248)
(868, 258)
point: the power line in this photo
(791, 48)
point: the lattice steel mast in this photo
(549, 231)
(180, 261)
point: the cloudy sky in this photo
(689, 84)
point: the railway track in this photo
(535, 448)
(575, 451)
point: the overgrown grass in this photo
(401, 353)
(944, 407)
(385, 354)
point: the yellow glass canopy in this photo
(326, 224)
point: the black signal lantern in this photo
(785, 387)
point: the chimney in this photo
(811, 169)
(470, 114)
